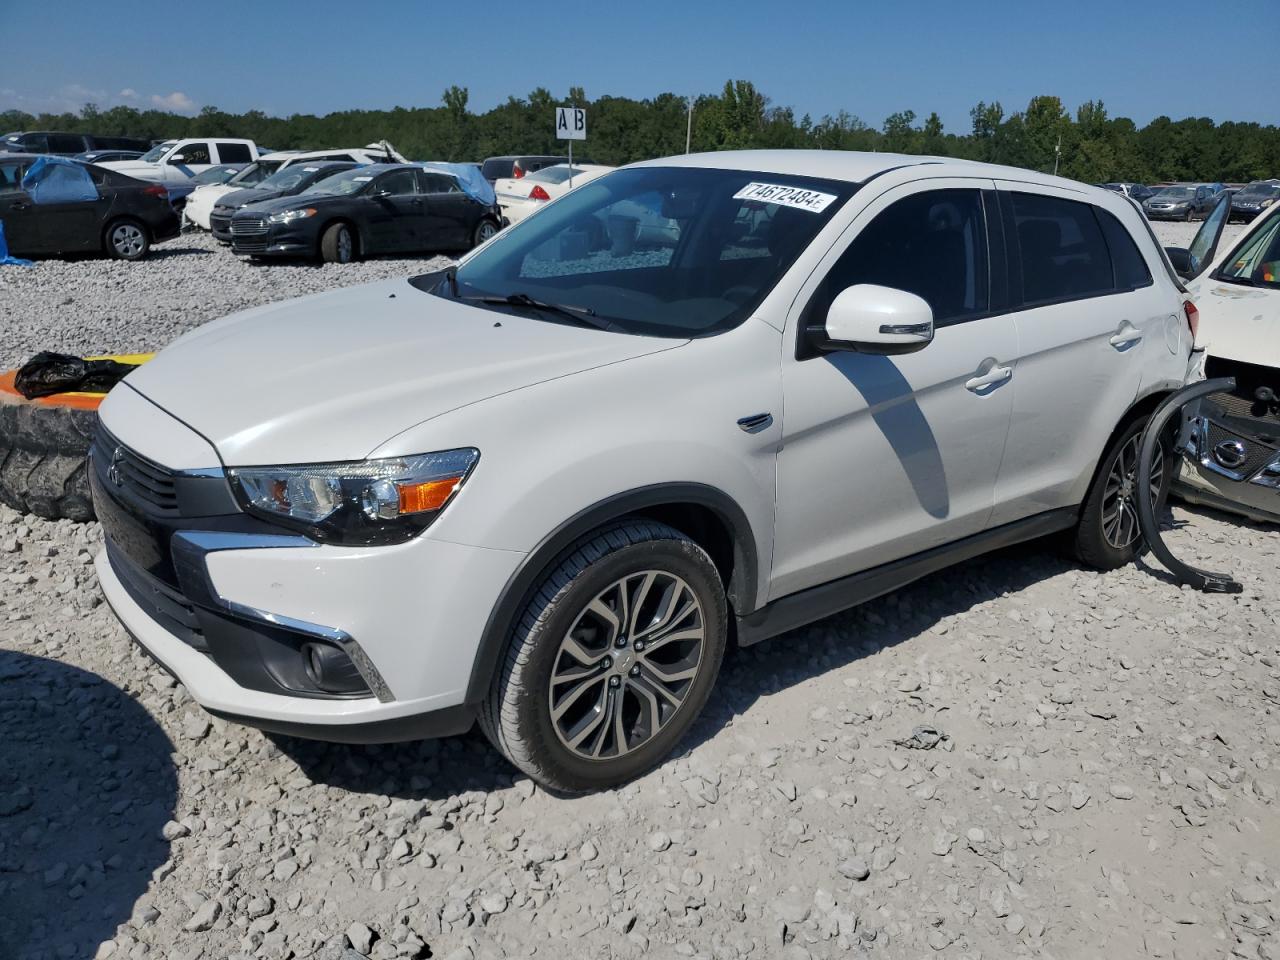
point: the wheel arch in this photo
(704, 513)
(1142, 406)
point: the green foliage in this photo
(1094, 146)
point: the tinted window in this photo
(1130, 269)
(234, 153)
(931, 244)
(193, 153)
(497, 168)
(11, 177)
(438, 183)
(35, 142)
(65, 143)
(1062, 250)
(399, 183)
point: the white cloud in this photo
(177, 101)
(128, 93)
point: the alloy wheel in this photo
(344, 245)
(487, 230)
(126, 240)
(626, 665)
(1119, 500)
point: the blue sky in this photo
(1143, 58)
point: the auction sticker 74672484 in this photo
(797, 197)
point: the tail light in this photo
(1193, 317)
(537, 193)
(516, 171)
(155, 190)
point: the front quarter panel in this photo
(550, 451)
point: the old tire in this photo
(338, 244)
(563, 647)
(1106, 536)
(127, 239)
(42, 458)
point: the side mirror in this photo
(1180, 259)
(867, 318)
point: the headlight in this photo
(288, 216)
(363, 503)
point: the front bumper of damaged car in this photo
(233, 606)
(1227, 465)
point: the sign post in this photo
(571, 125)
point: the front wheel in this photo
(127, 240)
(485, 229)
(338, 245)
(613, 659)
(1107, 535)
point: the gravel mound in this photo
(1013, 758)
(94, 305)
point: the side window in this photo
(333, 156)
(65, 143)
(193, 153)
(35, 143)
(232, 153)
(399, 183)
(10, 177)
(437, 183)
(1063, 254)
(932, 244)
(1130, 268)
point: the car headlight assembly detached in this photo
(363, 503)
(288, 216)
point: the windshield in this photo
(288, 178)
(558, 174)
(1256, 261)
(159, 150)
(219, 174)
(1175, 193)
(341, 184)
(665, 251)
(1260, 191)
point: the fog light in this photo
(331, 670)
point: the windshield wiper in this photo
(581, 315)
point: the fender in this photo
(741, 588)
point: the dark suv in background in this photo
(503, 168)
(67, 144)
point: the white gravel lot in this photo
(1107, 785)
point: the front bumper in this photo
(1241, 484)
(1167, 213)
(281, 240)
(226, 604)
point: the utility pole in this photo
(1057, 153)
(688, 130)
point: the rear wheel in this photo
(613, 659)
(338, 245)
(1107, 534)
(127, 240)
(484, 230)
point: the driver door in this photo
(887, 456)
(395, 212)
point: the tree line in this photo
(1087, 145)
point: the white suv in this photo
(546, 489)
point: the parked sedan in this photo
(1254, 199)
(520, 197)
(105, 156)
(504, 168)
(111, 213)
(288, 182)
(1137, 192)
(373, 209)
(1179, 203)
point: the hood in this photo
(333, 376)
(1238, 322)
(133, 168)
(247, 195)
(273, 202)
(208, 193)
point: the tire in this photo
(636, 557)
(126, 240)
(1187, 218)
(338, 245)
(484, 230)
(42, 458)
(1097, 540)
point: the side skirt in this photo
(798, 609)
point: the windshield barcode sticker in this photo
(800, 199)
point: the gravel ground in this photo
(1102, 780)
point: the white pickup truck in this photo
(175, 161)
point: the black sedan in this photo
(115, 214)
(371, 209)
(289, 182)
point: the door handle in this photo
(19, 205)
(996, 374)
(1126, 335)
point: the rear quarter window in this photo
(1127, 261)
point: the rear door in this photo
(450, 213)
(17, 212)
(395, 212)
(1086, 320)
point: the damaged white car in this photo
(1232, 447)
